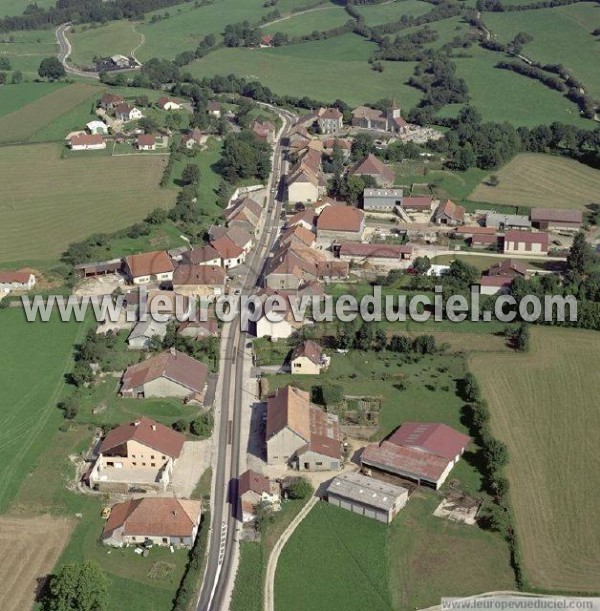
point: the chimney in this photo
(154, 427)
(136, 423)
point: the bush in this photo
(301, 489)
(69, 407)
(202, 426)
(181, 426)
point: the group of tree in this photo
(201, 426)
(206, 350)
(406, 48)
(244, 156)
(97, 349)
(241, 34)
(78, 586)
(51, 68)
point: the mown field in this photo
(531, 179)
(17, 96)
(117, 37)
(543, 407)
(51, 116)
(319, 19)
(324, 69)
(49, 202)
(561, 35)
(356, 563)
(35, 357)
(26, 49)
(376, 14)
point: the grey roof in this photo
(495, 219)
(383, 193)
(148, 328)
(366, 490)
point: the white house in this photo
(168, 104)
(124, 112)
(16, 281)
(149, 266)
(87, 142)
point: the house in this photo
(214, 109)
(16, 281)
(330, 120)
(367, 496)
(244, 213)
(254, 488)
(87, 142)
(141, 453)
(388, 121)
(149, 266)
(418, 451)
(449, 213)
(168, 374)
(125, 112)
(266, 40)
(193, 138)
(507, 221)
(307, 218)
(231, 254)
(344, 144)
(492, 285)
(341, 223)
(163, 521)
(304, 180)
(165, 103)
(146, 142)
(300, 433)
(205, 255)
(525, 242)
(418, 203)
(143, 333)
(277, 320)
(109, 101)
(556, 218)
(97, 127)
(381, 200)
(297, 234)
(376, 254)
(374, 167)
(198, 329)
(199, 279)
(264, 131)
(307, 358)
(163, 304)
(239, 236)
(509, 268)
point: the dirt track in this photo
(29, 548)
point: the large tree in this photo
(78, 587)
(51, 68)
(580, 258)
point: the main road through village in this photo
(224, 522)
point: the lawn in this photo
(377, 14)
(317, 69)
(17, 96)
(27, 49)
(50, 117)
(320, 19)
(344, 557)
(531, 179)
(35, 357)
(542, 406)
(65, 200)
(560, 36)
(116, 37)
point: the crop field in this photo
(373, 566)
(319, 19)
(117, 37)
(376, 14)
(26, 49)
(30, 548)
(531, 179)
(35, 357)
(318, 69)
(47, 114)
(561, 35)
(64, 200)
(542, 408)
(17, 96)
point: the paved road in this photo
(222, 537)
(64, 50)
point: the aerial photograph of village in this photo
(299, 303)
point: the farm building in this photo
(341, 223)
(168, 374)
(16, 281)
(381, 200)
(449, 213)
(525, 242)
(307, 358)
(418, 451)
(163, 521)
(375, 168)
(99, 268)
(367, 496)
(507, 221)
(97, 127)
(141, 454)
(254, 488)
(149, 266)
(377, 254)
(555, 218)
(143, 333)
(417, 204)
(484, 241)
(300, 433)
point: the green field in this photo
(543, 407)
(117, 37)
(355, 563)
(320, 19)
(376, 14)
(16, 7)
(318, 69)
(561, 35)
(35, 357)
(51, 116)
(14, 97)
(531, 179)
(64, 200)
(27, 49)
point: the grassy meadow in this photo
(542, 408)
(377, 14)
(319, 19)
(531, 179)
(65, 200)
(15, 97)
(26, 49)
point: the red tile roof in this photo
(309, 349)
(384, 251)
(505, 267)
(372, 166)
(148, 433)
(14, 277)
(146, 140)
(86, 139)
(227, 248)
(556, 215)
(527, 237)
(451, 210)
(149, 263)
(340, 218)
(434, 438)
(417, 202)
(210, 275)
(201, 255)
(252, 481)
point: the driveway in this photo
(195, 458)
